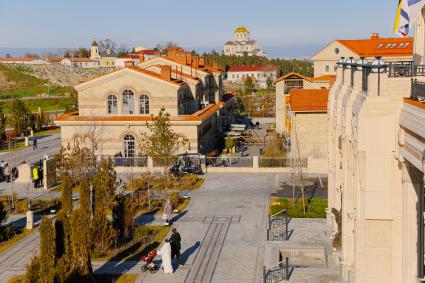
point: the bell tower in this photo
(94, 51)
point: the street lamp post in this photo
(378, 66)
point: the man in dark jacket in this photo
(175, 240)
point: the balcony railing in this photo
(405, 69)
(418, 90)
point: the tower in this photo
(94, 51)
(242, 34)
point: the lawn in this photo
(315, 208)
(21, 144)
(187, 182)
(146, 239)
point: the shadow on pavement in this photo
(189, 251)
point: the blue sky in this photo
(295, 27)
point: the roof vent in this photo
(374, 35)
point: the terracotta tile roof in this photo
(54, 59)
(129, 56)
(308, 100)
(329, 78)
(289, 75)
(252, 68)
(23, 59)
(80, 59)
(376, 46)
(205, 68)
(202, 114)
(414, 102)
(140, 70)
(147, 52)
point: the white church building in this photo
(242, 43)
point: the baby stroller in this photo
(149, 265)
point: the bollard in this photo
(287, 267)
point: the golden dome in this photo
(241, 29)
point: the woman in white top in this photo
(165, 253)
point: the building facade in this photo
(82, 62)
(105, 59)
(119, 104)
(260, 75)
(391, 50)
(23, 60)
(289, 82)
(242, 44)
(307, 123)
(376, 167)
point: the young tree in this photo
(32, 273)
(66, 194)
(249, 84)
(269, 83)
(102, 234)
(20, 116)
(63, 247)
(85, 196)
(104, 184)
(80, 225)
(47, 250)
(163, 143)
(123, 214)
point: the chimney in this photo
(166, 72)
(374, 35)
(141, 58)
(129, 64)
(195, 62)
(171, 53)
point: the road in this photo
(47, 145)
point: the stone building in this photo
(291, 81)
(376, 166)
(391, 50)
(307, 123)
(242, 43)
(259, 74)
(105, 59)
(119, 104)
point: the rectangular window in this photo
(327, 68)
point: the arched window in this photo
(127, 102)
(129, 145)
(144, 104)
(112, 104)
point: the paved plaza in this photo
(223, 237)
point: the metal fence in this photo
(277, 162)
(405, 69)
(418, 90)
(131, 161)
(277, 273)
(229, 161)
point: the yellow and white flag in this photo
(407, 12)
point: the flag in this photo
(402, 20)
(407, 12)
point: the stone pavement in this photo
(223, 232)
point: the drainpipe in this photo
(421, 271)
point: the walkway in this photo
(223, 232)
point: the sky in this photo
(285, 28)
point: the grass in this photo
(17, 279)
(9, 243)
(134, 250)
(315, 208)
(187, 182)
(25, 85)
(115, 278)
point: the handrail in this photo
(282, 211)
(279, 268)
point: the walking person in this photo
(6, 172)
(165, 253)
(175, 240)
(168, 209)
(34, 144)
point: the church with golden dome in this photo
(242, 43)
